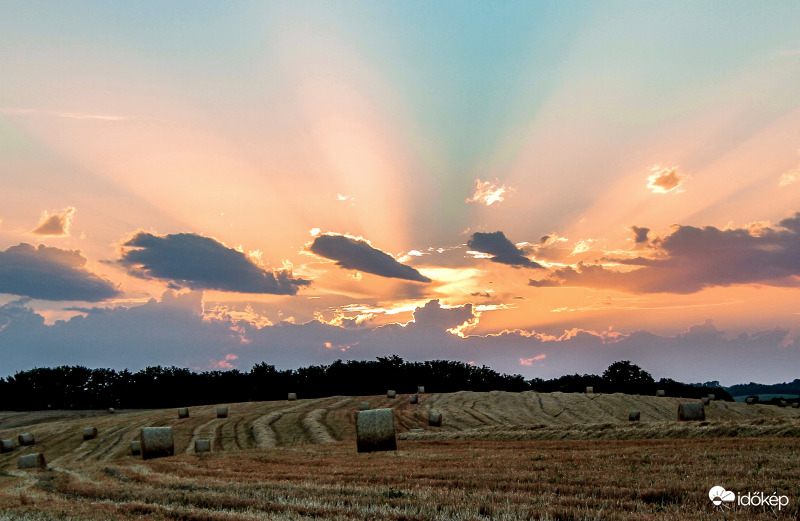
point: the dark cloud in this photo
(690, 259)
(501, 249)
(433, 315)
(56, 224)
(51, 274)
(640, 234)
(357, 254)
(187, 260)
(150, 334)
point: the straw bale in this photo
(32, 461)
(375, 430)
(156, 442)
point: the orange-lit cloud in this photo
(790, 177)
(690, 259)
(342, 348)
(225, 363)
(56, 224)
(665, 179)
(488, 193)
(530, 361)
(225, 313)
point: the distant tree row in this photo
(628, 378)
(77, 387)
(752, 388)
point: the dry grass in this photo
(478, 480)
(499, 455)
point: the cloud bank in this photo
(187, 260)
(175, 332)
(51, 274)
(690, 259)
(501, 249)
(357, 254)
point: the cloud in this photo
(639, 234)
(501, 249)
(789, 178)
(488, 193)
(530, 361)
(51, 274)
(225, 363)
(68, 115)
(159, 333)
(346, 199)
(357, 254)
(434, 316)
(187, 260)
(690, 259)
(55, 224)
(664, 180)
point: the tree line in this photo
(78, 387)
(753, 388)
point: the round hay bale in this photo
(711, 396)
(156, 442)
(292, 397)
(435, 419)
(202, 445)
(32, 461)
(750, 400)
(795, 405)
(634, 416)
(705, 400)
(375, 430)
(6, 446)
(416, 431)
(693, 411)
(222, 412)
(183, 413)
(661, 393)
(420, 389)
(590, 390)
(89, 433)
(26, 439)
(364, 406)
(413, 398)
(391, 394)
(136, 448)
(110, 410)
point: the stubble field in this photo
(505, 456)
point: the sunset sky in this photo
(543, 188)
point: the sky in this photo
(540, 187)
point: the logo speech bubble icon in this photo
(719, 495)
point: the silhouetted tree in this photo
(625, 377)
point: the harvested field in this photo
(498, 456)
